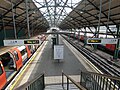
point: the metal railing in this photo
(69, 79)
(95, 81)
(35, 84)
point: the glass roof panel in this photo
(55, 10)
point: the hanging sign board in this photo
(58, 51)
(102, 41)
(34, 42)
(18, 42)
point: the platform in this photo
(72, 64)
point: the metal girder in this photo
(53, 7)
(4, 8)
(75, 19)
(89, 21)
(21, 25)
(62, 10)
(81, 15)
(37, 26)
(16, 17)
(10, 10)
(101, 21)
(48, 10)
(97, 18)
(55, 11)
(25, 24)
(101, 11)
(70, 23)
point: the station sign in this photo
(17, 42)
(102, 41)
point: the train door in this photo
(18, 58)
(23, 52)
(8, 63)
(29, 51)
(3, 79)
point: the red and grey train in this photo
(13, 60)
(109, 48)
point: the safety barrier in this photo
(69, 79)
(95, 81)
(35, 84)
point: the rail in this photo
(95, 81)
(99, 62)
(35, 84)
(73, 82)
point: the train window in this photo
(29, 47)
(16, 55)
(23, 51)
(0, 59)
(1, 71)
(5, 58)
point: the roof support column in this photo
(95, 45)
(55, 13)
(27, 16)
(14, 24)
(85, 36)
(108, 17)
(117, 45)
(74, 33)
(78, 36)
(99, 18)
(4, 28)
(70, 30)
(68, 34)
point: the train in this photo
(13, 60)
(108, 48)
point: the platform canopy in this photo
(21, 15)
(77, 14)
(35, 16)
(89, 13)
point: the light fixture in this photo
(81, 12)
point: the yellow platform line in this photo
(32, 58)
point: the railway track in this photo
(97, 60)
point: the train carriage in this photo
(3, 78)
(12, 59)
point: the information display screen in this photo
(94, 41)
(31, 41)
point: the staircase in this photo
(89, 81)
(59, 87)
(53, 87)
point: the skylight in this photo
(55, 10)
